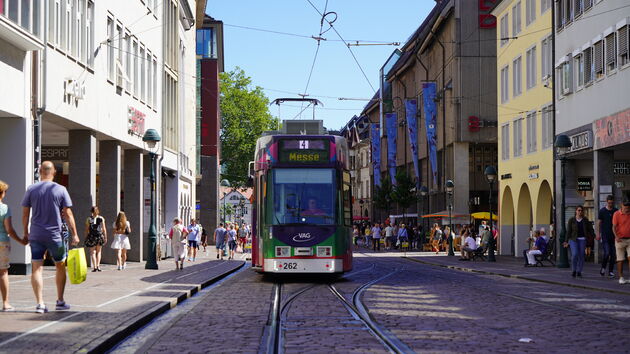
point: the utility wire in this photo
(310, 74)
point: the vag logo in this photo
(302, 237)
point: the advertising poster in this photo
(391, 121)
(376, 153)
(430, 117)
(411, 107)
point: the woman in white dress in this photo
(121, 244)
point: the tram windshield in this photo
(303, 196)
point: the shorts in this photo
(192, 243)
(58, 250)
(242, 240)
(220, 245)
(5, 255)
(179, 251)
(622, 247)
(232, 245)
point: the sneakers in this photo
(181, 266)
(119, 268)
(602, 272)
(61, 306)
(217, 256)
(624, 281)
(611, 274)
(41, 308)
(573, 274)
(124, 265)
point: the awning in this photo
(484, 215)
(444, 214)
(357, 218)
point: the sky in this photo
(280, 64)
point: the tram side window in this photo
(304, 196)
(347, 204)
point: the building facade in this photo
(103, 73)
(525, 120)
(356, 133)
(592, 84)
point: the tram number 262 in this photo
(289, 265)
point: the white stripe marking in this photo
(37, 329)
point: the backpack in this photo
(96, 228)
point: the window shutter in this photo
(598, 60)
(623, 40)
(588, 65)
(577, 6)
(610, 49)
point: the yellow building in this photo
(525, 123)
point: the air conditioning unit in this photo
(303, 127)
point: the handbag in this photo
(77, 265)
(127, 232)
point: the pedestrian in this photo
(469, 245)
(578, 229)
(403, 236)
(242, 237)
(179, 239)
(47, 200)
(6, 231)
(204, 238)
(436, 238)
(121, 243)
(355, 235)
(194, 236)
(463, 235)
(539, 247)
(604, 231)
(376, 237)
(219, 240)
(368, 235)
(232, 236)
(96, 237)
(621, 229)
(389, 236)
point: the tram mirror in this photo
(250, 182)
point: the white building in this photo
(237, 204)
(99, 74)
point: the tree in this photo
(244, 117)
(404, 192)
(382, 197)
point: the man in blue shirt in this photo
(47, 200)
(604, 233)
(194, 236)
(539, 247)
(219, 240)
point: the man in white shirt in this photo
(389, 235)
(376, 237)
(470, 245)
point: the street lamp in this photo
(562, 145)
(224, 183)
(450, 186)
(151, 138)
(491, 176)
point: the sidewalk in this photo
(105, 308)
(511, 267)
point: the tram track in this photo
(278, 315)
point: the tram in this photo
(302, 213)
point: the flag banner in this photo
(411, 107)
(430, 117)
(376, 153)
(391, 121)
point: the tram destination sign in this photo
(304, 151)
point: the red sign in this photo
(474, 124)
(612, 130)
(486, 20)
(135, 121)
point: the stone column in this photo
(82, 176)
(109, 191)
(602, 176)
(16, 150)
(133, 201)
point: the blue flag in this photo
(391, 121)
(411, 107)
(430, 117)
(376, 153)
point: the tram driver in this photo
(312, 209)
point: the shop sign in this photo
(533, 175)
(584, 184)
(135, 121)
(612, 130)
(75, 89)
(533, 167)
(55, 153)
(581, 141)
(486, 19)
(621, 168)
(506, 176)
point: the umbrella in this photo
(484, 215)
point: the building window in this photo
(588, 4)
(622, 38)
(155, 69)
(88, 47)
(568, 11)
(505, 141)
(143, 75)
(504, 84)
(517, 77)
(578, 7)
(136, 69)
(77, 28)
(578, 64)
(504, 30)
(611, 53)
(544, 5)
(598, 59)
(149, 79)
(545, 58)
(547, 127)
(207, 43)
(565, 76)
(516, 19)
(531, 132)
(588, 65)
(128, 63)
(518, 137)
(559, 15)
(110, 48)
(25, 13)
(531, 67)
(530, 11)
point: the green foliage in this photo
(244, 117)
(382, 197)
(403, 193)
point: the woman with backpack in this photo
(96, 237)
(121, 244)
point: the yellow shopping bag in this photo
(77, 265)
